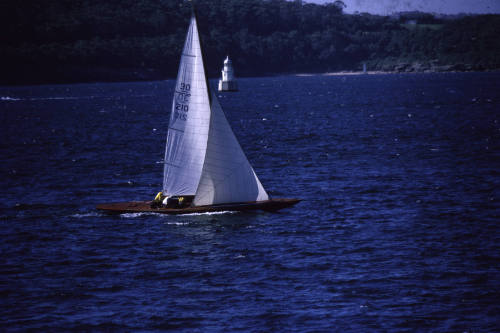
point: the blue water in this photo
(398, 230)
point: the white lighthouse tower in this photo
(228, 83)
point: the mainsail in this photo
(203, 157)
(189, 121)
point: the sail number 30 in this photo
(181, 102)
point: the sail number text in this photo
(182, 101)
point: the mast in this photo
(193, 14)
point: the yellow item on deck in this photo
(159, 197)
(181, 200)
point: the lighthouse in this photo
(228, 83)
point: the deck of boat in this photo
(145, 206)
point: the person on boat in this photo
(158, 200)
(173, 202)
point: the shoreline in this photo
(129, 76)
(353, 73)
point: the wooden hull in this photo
(145, 207)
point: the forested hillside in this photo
(96, 40)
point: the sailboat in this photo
(204, 163)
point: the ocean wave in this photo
(140, 214)
(212, 213)
(177, 223)
(90, 214)
(7, 98)
(66, 98)
(134, 215)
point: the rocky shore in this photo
(430, 66)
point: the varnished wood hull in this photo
(145, 207)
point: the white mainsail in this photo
(227, 175)
(189, 121)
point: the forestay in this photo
(189, 121)
(227, 175)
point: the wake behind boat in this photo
(205, 168)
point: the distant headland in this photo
(67, 41)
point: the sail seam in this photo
(172, 164)
(175, 129)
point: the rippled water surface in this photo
(398, 229)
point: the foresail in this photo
(189, 121)
(227, 175)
